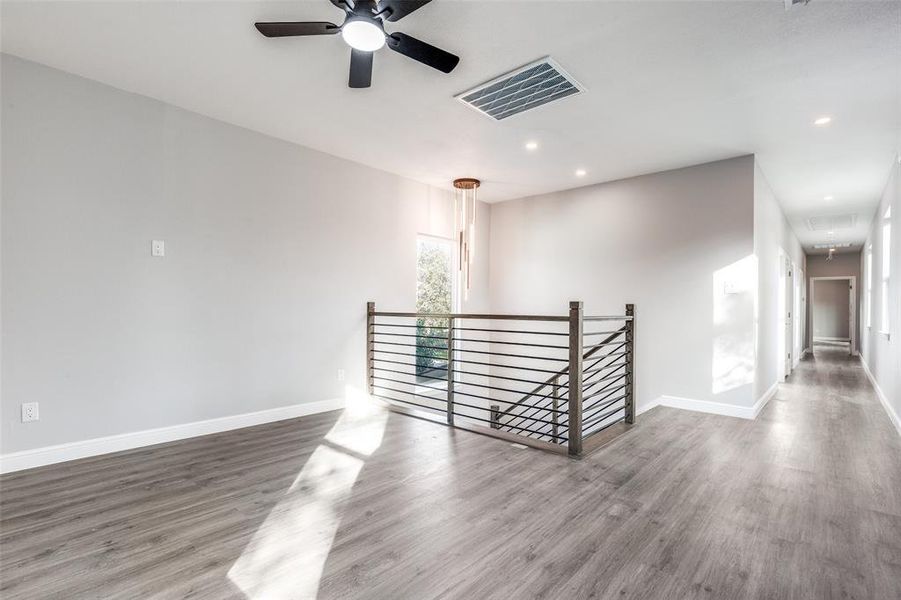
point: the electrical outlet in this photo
(157, 248)
(340, 374)
(30, 412)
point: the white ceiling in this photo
(669, 84)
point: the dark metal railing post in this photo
(370, 336)
(630, 364)
(450, 371)
(495, 417)
(574, 436)
(555, 405)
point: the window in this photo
(434, 294)
(886, 266)
(868, 292)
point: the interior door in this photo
(852, 326)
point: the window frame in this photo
(868, 290)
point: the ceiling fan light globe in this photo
(363, 35)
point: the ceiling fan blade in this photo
(297, 28)
(424, 53)
(343, 4)
(400, 8)
(360, 69)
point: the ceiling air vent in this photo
(827, 246)
(525, 88)
(831, 222)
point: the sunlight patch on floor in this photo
(286, 555)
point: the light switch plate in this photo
(158, 248)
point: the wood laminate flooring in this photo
(804, 502)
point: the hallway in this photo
(804, 502)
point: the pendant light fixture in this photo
(465, 192)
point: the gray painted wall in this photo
(845, 264)
(667, 242)
(878, 348)
(831, 304)
(272, 251)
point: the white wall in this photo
(831, 305)
(844, 264)
(772, 233)
(272, 251)
(666, 242)
(880, 351)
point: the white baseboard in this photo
(48, 455)
(716, 408)
(766, 397)
(706, 406)
(892, 415)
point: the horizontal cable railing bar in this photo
(548, 431)
(596, 408)
(456, 403)
(409, 326)
(494, 376)
(483, 316)
(396, 353)
(511, 331)
(457, 339)
(411, 374)
(602, 357)
(537, 420)
(484, 364)
(435, 408)
(508, 355)
(608, 318)
(602, 344)
(609, 391)
(589, 382)
(490, 387)
(601, 418)
(406, 364)
(413, 383)
(585, 388)
(413, 335)
(444, 347)
(597, 403)
(461, 383)
(614, 365)
(559, 437)
(611, 424)
(586, 333)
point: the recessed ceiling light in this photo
(822, 121)
(827, 198)
(531, 145)
(581, 172)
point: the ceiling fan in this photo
(364, 31)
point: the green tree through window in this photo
(434, 293)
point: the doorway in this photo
(833, 313)
(786, 307)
